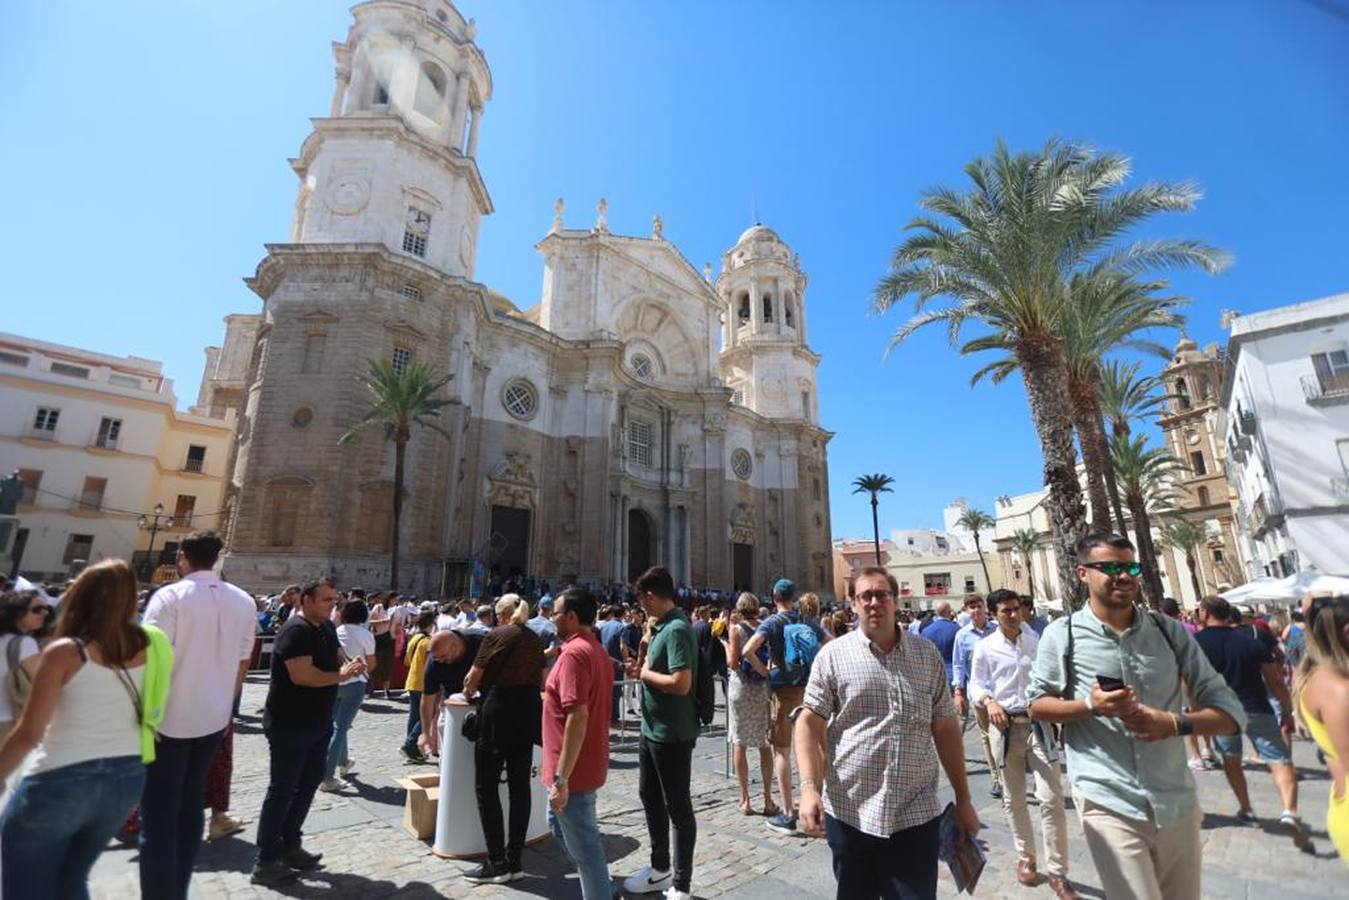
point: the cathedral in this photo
(640, 413)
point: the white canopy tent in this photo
(1287, 591)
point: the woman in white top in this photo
(85, 711)
(356, 642)
(21, 613)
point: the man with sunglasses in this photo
(1111, 674)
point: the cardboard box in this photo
(419, 810)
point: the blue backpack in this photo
(799, 646)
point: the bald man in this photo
(451, 656)
(942, 632)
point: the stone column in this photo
(473, 130)
(755, 308)
(460, 111)
(340, 92)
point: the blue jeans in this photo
(171, 814)
(349, 697)
(58, 822)
(297, 757)
(414, 727)
(1263, 730)
(579, 834)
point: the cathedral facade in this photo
(640, 413)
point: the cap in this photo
(546, 602)
(784, 587)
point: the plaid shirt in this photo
(881, 770)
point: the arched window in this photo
(742, 316)
(1182, 394)
(788, 314)
(768, 307)
(430, 100)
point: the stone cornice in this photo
(611, 243)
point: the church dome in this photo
(757, 232)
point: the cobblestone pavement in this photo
(367, 853)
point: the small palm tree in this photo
(400, 398)
(1146, 475)
(1026, 541)
(1187, 537)
(873, 485)
(976, 520)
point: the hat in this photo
(784, 587)
(546, 602)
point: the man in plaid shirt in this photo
(877, 702)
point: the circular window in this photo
(302, 417)
(442, 15)
(520, 399)
(741, 464)
(641, 365)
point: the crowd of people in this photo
(117, 713)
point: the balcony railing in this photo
(103, 442)
(1247, 423)
(1266, 512)
(1327, 391)
(1340, 487)
(192, 465)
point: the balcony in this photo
(1266, 513)
(192, 465)
(1339, 488)
(104, 442)
(1329, 390)
(1246, 422)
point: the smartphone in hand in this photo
(1109, 683)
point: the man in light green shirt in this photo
(1126, 758)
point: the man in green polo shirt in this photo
(669, 730)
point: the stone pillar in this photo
(473, 131)
(460, 111)
(755, 308)
(340, 92)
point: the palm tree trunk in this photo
(1046, 379)
(988, 582)
(1147, 553)
(876, 528)
(1194, 574)
(399, 450)
(1030, 575)
(1111, 483)
(1082, 395)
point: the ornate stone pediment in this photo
(512, 482)
(743, 525)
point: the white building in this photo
(98, 441)
(1286, 422)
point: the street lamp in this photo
(154, 526)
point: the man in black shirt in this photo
(451, 656)
(298, 722)
(1253, 673)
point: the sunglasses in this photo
(1116, 569)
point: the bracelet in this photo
(1175, 722)
(1091, 707)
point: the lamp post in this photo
(154, 526)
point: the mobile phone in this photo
(1109, 683)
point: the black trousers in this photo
(663, 772)
(489, 761)
(900, 867)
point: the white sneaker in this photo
(330, 785)
(676, 894)
(345, 770)
(647, 881)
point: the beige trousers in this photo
(1138, 861)
(1021, 749)
(981, 719)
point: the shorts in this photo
(1264, 732)
(785, 699)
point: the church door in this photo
(641, 539)
(742, 566)
(509, 543)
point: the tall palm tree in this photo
(400, 397)
(1004, 252)
(976, 520)
(1026, 541)
(874, 485)
(1187, 537)
(1146, 475)
(1128, 396)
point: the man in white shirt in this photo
(999, 675)
(211, 626)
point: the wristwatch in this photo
(559, 781)
(1186, 725)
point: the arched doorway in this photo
(641, 544)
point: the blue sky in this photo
(146, 145)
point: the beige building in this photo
(99, 443)
(638, 412)
(852, 555)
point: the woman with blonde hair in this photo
(98, 694)
(809, 608)
(748, 701)
(1323, 701)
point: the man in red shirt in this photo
(576, 705)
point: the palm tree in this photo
(874, 484)
(1026, 541)
(1127, 396)
(400, 398)
(1146, 475)
(1004, 252)
(976, 520)
(1187, 537)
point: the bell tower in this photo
(764, 357)
(394, 162)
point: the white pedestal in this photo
(458, 830)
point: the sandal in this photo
(746, 808)
(772, 810)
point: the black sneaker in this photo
(298, 858)
(272, 873)
(995, 791)
(490, 873)
(413, 756)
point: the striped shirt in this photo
(881, 772)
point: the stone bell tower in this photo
(393, 163)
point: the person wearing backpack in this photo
(792, 645)
(669, 730)
(21, 613)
